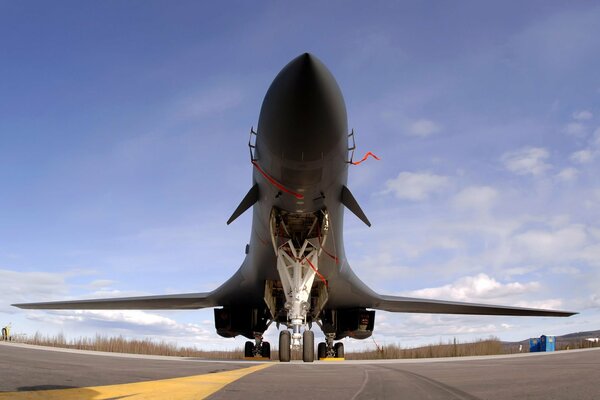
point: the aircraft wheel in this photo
(308, 346)
(266, 350)
(322, 350)
(339, 350)
(284, 346)
(248, 349)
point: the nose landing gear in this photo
(297, 269)
(308, 346)
(298, 265)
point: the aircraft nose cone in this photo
(303, 115)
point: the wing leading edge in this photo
(427, 306)
(187, 301)
(190, 301)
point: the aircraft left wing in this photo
(415, 305)
(187, 301)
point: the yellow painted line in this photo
(325, 359)
(189, 387)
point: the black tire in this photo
(266, 350)
(322, 350)
(339, 350)
(308, 346)
(248, 349)
(284, 346)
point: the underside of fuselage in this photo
(296, 257)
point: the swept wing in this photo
(416, 305)
(187, 301)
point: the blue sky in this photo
(124, 129)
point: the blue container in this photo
(534, 345)
(547, 343)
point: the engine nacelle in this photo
(356, 323)
(233, 321)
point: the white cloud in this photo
(594, 301)
(575, 129)
(478, 198)
(102, 284)
(130, 321)
(552, 245)
(568, 174)
(565, 270)
(423, 128)
(416, 185)
(22, 287)
(548, 304)
(528, 160)
(517, 271)
(591, 254)
(478, 287)
(382, 266)
(133, 317)
(582, 156)
(104, 293)
(582, 115)
(433, 326)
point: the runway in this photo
(29, 372)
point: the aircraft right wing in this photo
(415, 305)
(187, 301)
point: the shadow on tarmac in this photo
(44, 387)
(55, 392)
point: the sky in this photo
(123, 151)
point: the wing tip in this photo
(27, 306)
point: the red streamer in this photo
(318, 273)
(277, 184)
(365, 157)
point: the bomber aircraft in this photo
(295, 272)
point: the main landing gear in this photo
(329, 350)
(257, 349)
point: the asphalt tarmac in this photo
(27, 370)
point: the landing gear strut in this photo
(298, 264)
(297, 269)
